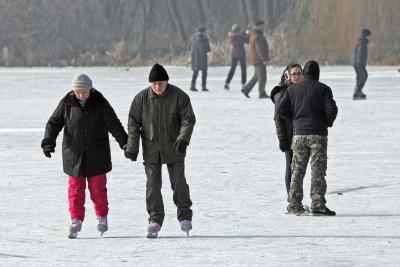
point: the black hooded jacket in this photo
(360, 53)
(85, 145)
(309, 104)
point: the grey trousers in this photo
(260, 76)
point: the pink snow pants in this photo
(98, 194)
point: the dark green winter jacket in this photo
(161, 120)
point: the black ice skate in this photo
(323, 212)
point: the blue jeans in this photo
(288, 173)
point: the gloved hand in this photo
(283, 144)
(131, 156)
(181, 146)
(47, 150)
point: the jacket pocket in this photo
(172, 126)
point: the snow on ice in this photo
(234, 169)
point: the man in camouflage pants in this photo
(310, 105)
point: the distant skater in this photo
(87, 118)
(360, 57)
(258, 57)
(237, 39)
(199, 47)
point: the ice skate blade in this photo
(305, 213)
(152, 235)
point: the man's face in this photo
(295, 75)
(159, 87)
(82, 95)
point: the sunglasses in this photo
(295, 74)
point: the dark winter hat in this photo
(235, 28)
(158, 74)
(201, 29)
(365, 32)
(311, 68)
(81, 82)
(259, 25)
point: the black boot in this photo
(263, 95)
(204, 88)
(323, 212)
(358, 95)
(193, 87)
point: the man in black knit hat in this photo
(162, 116)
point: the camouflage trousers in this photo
(305, 148)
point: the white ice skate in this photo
(103, 225)
(152, 229)
(186, 226)
(74, 228)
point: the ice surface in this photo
(235, 172)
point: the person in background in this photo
(163, 117)
(237, 39)
(87, 118)
(310, 105)
(359, 59)
(284, 129)
(199, 47)
(258, 56)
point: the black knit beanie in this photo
(158, 74)
(365, 32)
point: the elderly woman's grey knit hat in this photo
(81, 82)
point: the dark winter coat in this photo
(360, 54)
(284, 128)
(258, 48)
(237, 41)
(160, 120)
(199, 47)
(309, 104)
(85, 145)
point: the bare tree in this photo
(200, 9)
(253, 6)
(177, 18)
(146, 20)
(245, 12)
(269, 14)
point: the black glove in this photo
(284, 144)
(47, 150)
(131, 156)
(181, 146)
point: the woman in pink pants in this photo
(87, 118)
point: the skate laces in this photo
(103, 224)
(102, 220)
(76, 225)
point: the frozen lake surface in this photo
(234, 169)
